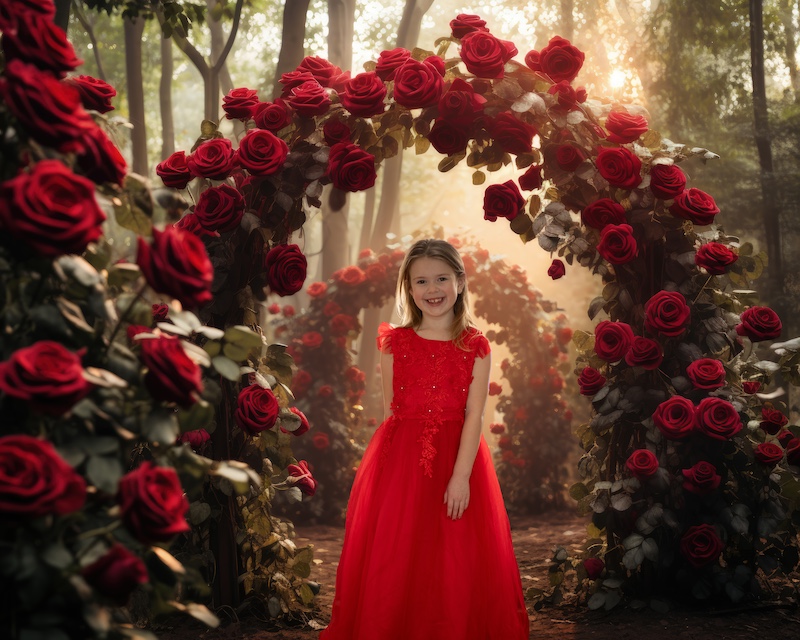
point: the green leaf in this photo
(199, 512)
(244, 336)
(597, 600)
(198, 416)
(161, 427)
(226, 367)
(57, 556)
(578, 491)
(104, 473)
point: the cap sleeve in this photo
(385, 331)
(479, 344)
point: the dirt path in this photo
(534, 540)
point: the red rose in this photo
(715, 258)
(309, 99)
(793, 451)
(341, 324)
(35, 481)
(195, 439)
(695, 205)
(759, 323)
(286, 269)
(502, 201)
(701, 545)
(312, 339)
(751, 386)
(292, 80)
(772, 420)
(239, 104)
(95, 94)
(174, 171)
(718, 419)
(594, 568)
(556, 270)
(495, 389)
(152, 505)
(417, 84)
(325, 391)
(220, 208)
(390, 61)
(568, 97)
(190, 224)
(497, 428)
(176, 264)
(508, 455)
(460, 104)
(484, 55)
(301, 477)
(675, 417)
(667, 181)
(620, 167)
(321, 69)
(602, 212)
(642, 463)
(257, 409)
(351, 168)
(645, 353)
(667, 313)
(316, 289)
(768, 453)
(335, 131)
(560, 60)
(321, 441)
(351, 276)
(448, 138)
(261, 152)
(505, 442)
(612, 340)
(511, 134)
(617, 244)
(465, 23)
(569, 157)
(272, 116)
(624, 127)
(213, 159)
(701, 479)
(172, 376)
(564, 335)
(364, 94)
(21, 8)
(116, 574)
(50, 209)
(301, 382)
(375, 273)
(532, 178)
(288, 310)
(304, 425)
(160, 312)
(100, 160)
(706, 373)
(37, 40)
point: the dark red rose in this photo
(594, 568)
(784, 437)
(261, 152)
(484, 55)
(220, 208)
(322, 70)
(620, 167)
(495, 389)
(335, 131)
(700, 545)
(301, 477)
(560, 60)
(272, 116)
(286, 269)
(174, 172)
(695, 205)
(566, 95)
(436, 62)
(301, 382)
(375, 273)
(667, 313)
(152, 505)
(793, 451)
(448, 138)
(569, 157)
(351, 276)
(116, 574)
(465, 23)
(312, 339)
(772, 420)
(718, 419)
(603, 212)
(309, 99)
(304, 425)
(176, 263)
(364, 95)
(502, 201)
(190, 224)
(532, 178)
(642, 463)
(95, 94)
(533, 60)
(321, 441)
(160, 312)
(460, 104)
(617, 244)
(240, 103)
(134, 330)
(715, 258)
(675, 417)
(35, 481)
(22, 8)
(257, 409)
(759, 323)
(624, 127)
(38, 41)
(556, 270)
(497, 428)
(667, 181)
(101, 161)
(172, 376)
(213, 159)
(50, 209)
(341, 324)
(351, 168)
(390, 61)
(590, 381)
(292, 80)
(645, 353)
(49, 111)
(612, 340)
(511, 134)
(417, 84)
(768, 453)
(751, 386)
(701, 479)
(706, 373)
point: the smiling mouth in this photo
(434, 300)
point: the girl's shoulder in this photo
(387, 334)
(474, 340)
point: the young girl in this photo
(427, 550)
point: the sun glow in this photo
(617, 79)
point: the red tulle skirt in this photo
(407, 571)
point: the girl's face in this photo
(434, 286)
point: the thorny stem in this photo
(125, 315)
(705, 284)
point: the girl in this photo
(427, 550)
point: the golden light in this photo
(617, 79)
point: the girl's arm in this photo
(387, 375)
(457, 495)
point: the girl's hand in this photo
(457, 497)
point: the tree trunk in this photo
(89, 26)
(567, 25)
(135, 80)
(292, 37)
(61, 19)
(369, 214)
(165, 99)
(224, 80)
(786, 10)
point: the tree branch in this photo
(231, 37)
(180, 39)
(90, 30)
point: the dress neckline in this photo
(428, 339)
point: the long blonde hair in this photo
(409, 312)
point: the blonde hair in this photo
(409, 312)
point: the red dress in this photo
(407, 571)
